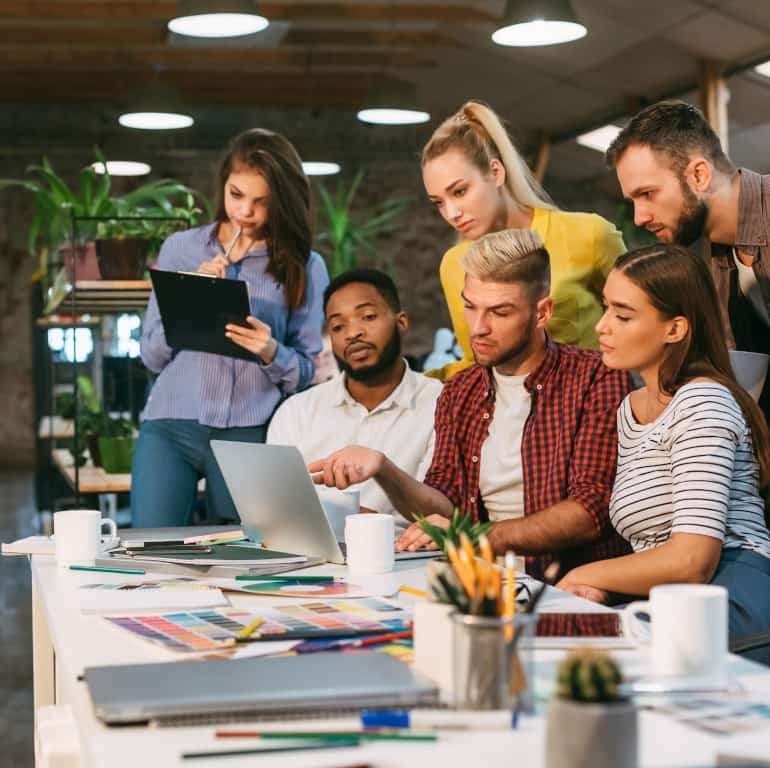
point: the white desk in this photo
(66, 641)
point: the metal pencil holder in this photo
(492, 664)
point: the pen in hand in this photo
(230, 247)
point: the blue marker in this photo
(477, 720)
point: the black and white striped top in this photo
(692, 470)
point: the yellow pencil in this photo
(467, 547)
(510, 592)
(467, 573)
(249, 630)
(413, 591)
(486, 549)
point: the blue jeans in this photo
(746, 575)
(171, 456)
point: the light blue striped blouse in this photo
(221, 391)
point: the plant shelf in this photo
(107, 296)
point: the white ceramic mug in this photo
(338, 505)
(370, 542)
(78, 536)
(688, 630)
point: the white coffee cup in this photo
(370, 542)
(78, 536)
(688, 630)
(338, 505)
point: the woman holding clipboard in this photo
(262, 235)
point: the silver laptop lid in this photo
(304, 683)
(276, 499)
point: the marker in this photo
(299, 579)
(97, 568)
(498, 719)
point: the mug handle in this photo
(633, 628)
(113, 539)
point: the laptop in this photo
(276, 500)
(283, 685)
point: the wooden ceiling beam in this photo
(143, 35)
(287, 10)
(148, 58)
(271, 88)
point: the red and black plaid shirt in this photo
(568, 449)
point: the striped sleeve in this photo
(706, 434)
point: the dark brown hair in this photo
(675, 129)
(288, 230)
(679, 283)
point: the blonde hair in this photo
(477, 130)
(510, 256)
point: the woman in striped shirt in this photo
(263, 222)
(693, 453)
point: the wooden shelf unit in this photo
(108, 296)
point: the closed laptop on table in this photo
(261, 686)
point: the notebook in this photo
(311, 683)
(216, 301)
(277, 502)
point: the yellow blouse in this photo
(582, 246)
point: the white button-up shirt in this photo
(326, 418)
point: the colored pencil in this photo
(316, 744)
(413, 591)
(378, 735)
(250, 630)
(299, 579)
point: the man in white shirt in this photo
(377, 401)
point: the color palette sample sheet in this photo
(285, 587)
(207, 630)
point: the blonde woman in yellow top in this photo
(480, 184)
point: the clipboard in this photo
(194, 309)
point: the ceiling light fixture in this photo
(600, 138)
(156, 108)
(217, 18)
(393, 102)
(319, 168)
(122, 168)
(538, 22)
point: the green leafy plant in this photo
(588, 675)
(633, 236)
(460, 523)
(92, 418)
(56, 203)
(344, 232)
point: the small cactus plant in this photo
(590, 676)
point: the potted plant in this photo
(56, 203)
(458, 525)
(126, 243)
(590, 722)
(343, 231)
(110, 439)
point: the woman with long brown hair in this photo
(693, 452)
(263, 224)
(480, 184)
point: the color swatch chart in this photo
(206, 630)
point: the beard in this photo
(692, 221)
(518, 350)
(390, 354)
